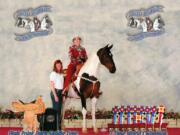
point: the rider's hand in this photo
(63, 92)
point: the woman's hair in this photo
(76, 38)
(54, 67)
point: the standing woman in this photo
(56, 85)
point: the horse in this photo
(87, 84)
(138, 23)
(26, 23)
(149, 23)
(34, 24)
(158, 23)
(46, 23)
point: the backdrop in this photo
(148, 71)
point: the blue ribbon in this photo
(153, 118)
(134, 120)
(148, 118)
(114, 118)
(121, 118)
(30, 35)
(144, 12)
(129, 118)
(141, 113)
(142, 35)
(32, 12)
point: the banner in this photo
(32, 12)
(35, 26)
(142, 35)
(30, 35)
(145, 12)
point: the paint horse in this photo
(87, 84)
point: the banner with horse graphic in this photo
(141, 20)
(27, 19)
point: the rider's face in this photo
(77, 42)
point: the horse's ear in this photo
(110, 47)
(106, 46)
(101, 50)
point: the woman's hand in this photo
(56, 98)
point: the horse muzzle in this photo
(112, 70)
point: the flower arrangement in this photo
(77, 114)
(8, 114)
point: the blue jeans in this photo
(57, 105)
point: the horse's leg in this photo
(93, 113)
(84, 111)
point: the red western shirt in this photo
(77, 54)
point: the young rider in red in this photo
(78, 56)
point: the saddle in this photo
(30, 110)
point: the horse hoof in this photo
(95, 130)
(84, 130)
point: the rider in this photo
(78, 56)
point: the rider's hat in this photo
(77, 37)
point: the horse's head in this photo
(48, 21)
(19, 22)
(160, 20)
(132, 22)
(22, 22)
(106, 58)
(148, 20)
